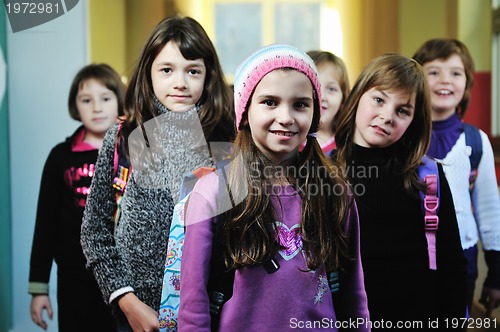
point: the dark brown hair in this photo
(443, 48)
(104, 74)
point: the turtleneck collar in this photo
(161, 109)
(373, 155)
(451, 123)
(445, 134)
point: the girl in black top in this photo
(382, 136)
(96, 100)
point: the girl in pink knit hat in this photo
(291, 246)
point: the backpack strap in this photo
(170, 295)
(189, 180)
(429, 174)
(473, 139)
(221, 280)
(122, 170)
(334, 281)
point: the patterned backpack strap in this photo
(122, 170)
(428, 173)
(170, 296)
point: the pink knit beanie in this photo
(262, 62)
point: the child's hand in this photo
(38, 304)
(490, 298)
(141, 317)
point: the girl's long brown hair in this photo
(392, 72)
(216, 113)
(249, 231)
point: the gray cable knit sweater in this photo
(134, 255)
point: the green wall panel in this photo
(5, 223)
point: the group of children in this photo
(301, 249)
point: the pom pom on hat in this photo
(262, 62)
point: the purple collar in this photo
(445, 134)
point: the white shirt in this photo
(479, 217)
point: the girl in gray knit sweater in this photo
(176, 101)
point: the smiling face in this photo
(98, 109)
(178, 83)
(331, 94)
(382, 117)
(447, 81)
(280, 113)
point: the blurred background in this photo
(38, 64)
